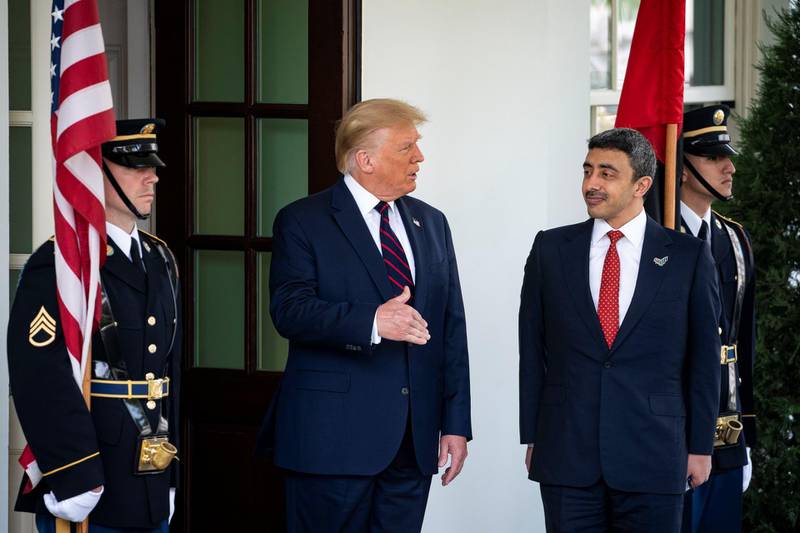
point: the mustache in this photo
(596, 194)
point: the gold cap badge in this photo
(148, 128)
(719, 116)
(45, 324)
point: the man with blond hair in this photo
(364, 284)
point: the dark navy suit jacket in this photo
(343, 403)
(629, 414)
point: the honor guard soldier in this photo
(115, 462)
(708, 177)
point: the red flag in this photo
(652, 94)
(82, 119)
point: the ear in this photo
(684, 175)
(643, 185)
(364, 162)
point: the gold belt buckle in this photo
(727, 430)
(728, 354)
(155, 388)
(155, 454)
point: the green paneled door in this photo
(282, 51)
(19, 54)
(20, 190)
(219, 309)
(282, 167)
(219, 175)
(219, 51)
(272, 348)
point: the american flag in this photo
(82, 119)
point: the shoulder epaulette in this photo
(729, 220)
(154, 238)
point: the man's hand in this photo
(528, 458)
(171, 504)
(400, 322)
(456, 447)
(74, 509)
(698, 469)
(747, 472)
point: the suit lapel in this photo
(656, 244)
(118, 265)
(419, 247)
(575, 261)
(349, 219)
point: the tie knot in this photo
(614, 235)
(381, 207)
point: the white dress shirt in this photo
(366, 202)
(123, 239)
(693, 222)
(629, 249)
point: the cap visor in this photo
(150, 159)
(711, 149)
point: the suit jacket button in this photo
(151, 321)
(404, 391)
(608, 364)
(152, 348)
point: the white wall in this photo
(506, 88)
(4, 258)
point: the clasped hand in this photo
(398, 321)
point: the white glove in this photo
(747, 472)
(171, 504)
(74, 509)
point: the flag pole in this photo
(83, 527)
(670, 177)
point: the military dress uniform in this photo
(135, 387)
(717, 504)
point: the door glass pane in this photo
(282, 167)
(13, 279)
(20, 192)
(219, 50)
(705, 42)
(219, 309)
(283, 51)
(600, 43)
(273, 349)
(219, 176)
(626, 22)
(19, 55)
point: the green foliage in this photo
(767, 189)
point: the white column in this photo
(42, 168)
(4, 250)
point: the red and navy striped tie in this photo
(394, 257)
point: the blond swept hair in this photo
(365, 118)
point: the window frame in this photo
(692, 95)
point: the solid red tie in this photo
(608, 304)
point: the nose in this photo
(729, 166)
(150, 175)
(418, 157)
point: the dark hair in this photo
(633, 144)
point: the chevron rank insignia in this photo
(661, 261)
(42, 329)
